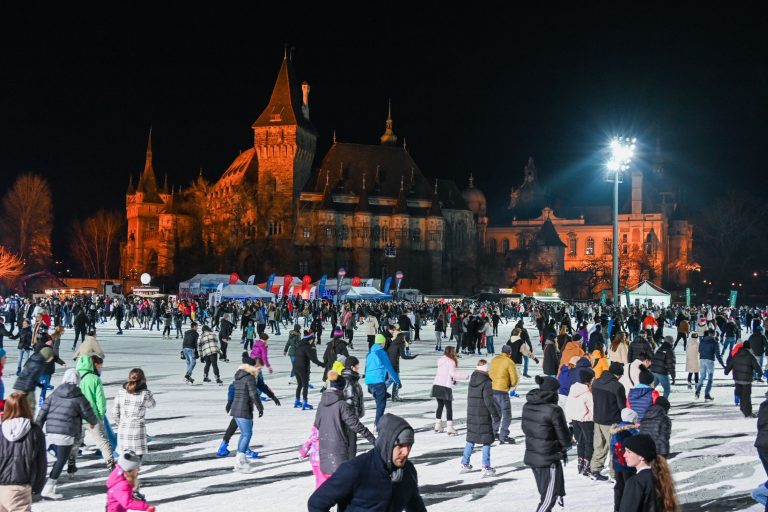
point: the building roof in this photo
(245, 166)
(147, 181)
(547, 236)
(285, 105)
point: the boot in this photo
(439, 426)
(297, 404)
(206, 379)
(71, 468)
(219, 381)
(450, 430)
(587, 465)
(49, 491)
(241, 464)
(251, 456)
(223, 450)
(580, 466)
(306, 406)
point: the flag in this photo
(251, 279)
(387, 284)
(321, 287)
(218, 292)
(270, 280)
(287, 279)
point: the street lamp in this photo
(622, 149)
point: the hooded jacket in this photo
(89, 346)
(333, 350)
(609, 397)
(663, 361)
(91, 386)
(550, 364)
(305, 352)
(377, 366)
(572, 348)
(742, 365)
(246, 393)
(658, 425)
(23, 460)
(396, 351)
(337, 424)
(481, 409)
(64, 411)
(546, 432)
(640, 399)
(639, 346)
(29, 377)
(353, 391)
(579, 406)
(120, 493)
(261, 351)
(619, 432)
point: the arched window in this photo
(493, 246)
(607, 246)
(505, 245)
(416, 234)
(590, 246)
(385, 233)
(572, 245)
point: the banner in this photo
(688, 297)
(321, 287)
(733, 298)
(369, 282)
(218, 292)
(287, 279)
(233, 278)
(251, 279)
(306, 284)
(356, 281)
(387, 284)
(270, 280)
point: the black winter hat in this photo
(663, 403)
(547, 383)
(643, 445)
(616, 368)
(351, 361)
(645, 377)
(586, 375)
(247, 359)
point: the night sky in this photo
(472, 92)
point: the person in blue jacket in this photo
(380, 480)
(377, 366)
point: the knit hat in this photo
(352, 361)
(643, 445)
(71, 377)
(616, 368)
(663, 403)
(628, 415)
(47, 353)
(669, 339)
(506, 349)
(247, 359)
(380, 339)
(586, 375)
(129, 461)
(547, 383)
(342, 359)
(338, 333)
(645, 377)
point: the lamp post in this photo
(622, 149)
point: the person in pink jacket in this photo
(579, 410)
(311, 449)
(442, 388)
(123, 483)
(261, 350)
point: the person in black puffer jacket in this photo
(759, 344)
(23, 460)
(609, 399)
(547, 439)
(245, 399)
(551, 363)
(29, 378)
(761, 440)
(743, 364)
(305, 353)
(663, 364)
(640, 345)
(335, 348)
(657, 424)
(63, 413)
(482, 413)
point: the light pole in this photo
(622, 149)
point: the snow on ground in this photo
(713, 460)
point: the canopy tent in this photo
(246, 291)
(203, 284)
(650, 294)
(365, 293)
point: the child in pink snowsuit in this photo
(311, 449)
(122, 483)
(261, 351)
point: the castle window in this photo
(493, 246)
(607, 246)
(590, 246)
(572, 245)
(385, 233)
(307, 232)
(416, 235)
(303, 268)
(505, 245)
(328, 232)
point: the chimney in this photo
(637, 193)
(305, 94)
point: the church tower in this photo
(284, 142)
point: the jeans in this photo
(23, 353)
(525, 365)
(62, 455)
(728, 344)
(489, 345)
(189, 355)
(293, 372)
(664, 381)
(468, 453)
(502, 402)
(395, 387)
(707, 374)
(760, 362)
(379, 392)
(246, 431)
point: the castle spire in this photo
(131, 188)
(147, 180)
(434, 209)
(389, 138)
(164, 190)
(362, 203)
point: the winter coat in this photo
(333, 350)
(620, 432)
(639, 346)
(579, 406)
(663, 361)
(575, 373)
(600, 363)
(91, 386)
(595, 339)
(503, 373)
(640, 494)
(377, 366)
(311, 448)
(759, 343)
(23, 460)
(564, 378)
(246, 393)
(261, 351)
(551, 362)
(572, 348)
(30, 375)
(658, 425)
(447, 374)
(609, 397)
(290, 346)
(516, 344)
(208, 344)
(370, 326)
(25, 339)
(640, 399)
(90, 346)
(190, 340)
(620, 355)
(64, 411)
(709, 348)
(692, 364)
(546, 432)
(305, 352)
(742, 365)
(337, 425)
(396, 351)
(120, 493)
(365, 485)
(353, 391)
(128, 414)
(761, 440)
(481, 409)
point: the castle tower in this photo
(389, 138)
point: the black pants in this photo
(448, 409)
(584, 432)
(695, 376)
(223, 344)
(685, 340)
(119, 321)
(231, 429)
(551, 485)
(248, 345)
(618, 488)
(302, 384)
(167, 330)
(62, 455)
(371, 340)
(211, 360)
(79, 335)
(744, 392)
(763, 454)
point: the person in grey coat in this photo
(245, 399)
(63, 413)
(337, 424)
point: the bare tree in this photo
(11, 266)
(28, 220)
(95, 241)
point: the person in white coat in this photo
(692, 364)
(579, 410)
(619, 348)
(371, 327)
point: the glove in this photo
(261, 413)
(277, 402)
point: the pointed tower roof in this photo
(434, 209)
(402, 206)
(327, 202)
(147, 180)
(284, 106)
(362, 203)
(547, 236)
(131, 188)
(165, 189)
(389, 138)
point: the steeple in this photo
(164, 190)
(434, 209)
(287, 104)
(402, 206)
(377, 183)
(327, 201)
(389, 138)
(147, 180)
(131, 188)
(362, 203)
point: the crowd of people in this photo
(601, 396)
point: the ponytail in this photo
(665, 485)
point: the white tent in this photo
(245, 291)
(365, 293)
(203, 284)
(648, 293)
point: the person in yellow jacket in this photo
(503, 374)
(600, 363)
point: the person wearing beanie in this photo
(380, 479)
(579, 410)
(652, 487)
(306, 353)
(609, 398)
(503, 374)
(482, 414)
(123, 483)
(245, 399)
(397, 349)
(260, 350)
(658, 425)
(336, 347)
(63, 414)
(353, 391)
(294, 337)
(663, 365)
(743, 364)
(89, 369)
(641, 397)
(620, 432)
(547, 439)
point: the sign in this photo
(734, 293)
(251, 279)
(321, 287)
(270, 281)
(603, 297)
(688, 297)
(387, 284)
(218, 292)
(287, 279)
(145, 278)
(340, 277)
(233, 278)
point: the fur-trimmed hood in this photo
(247, 368)
(623, 427)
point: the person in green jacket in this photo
(290, 348)
(89, 368)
